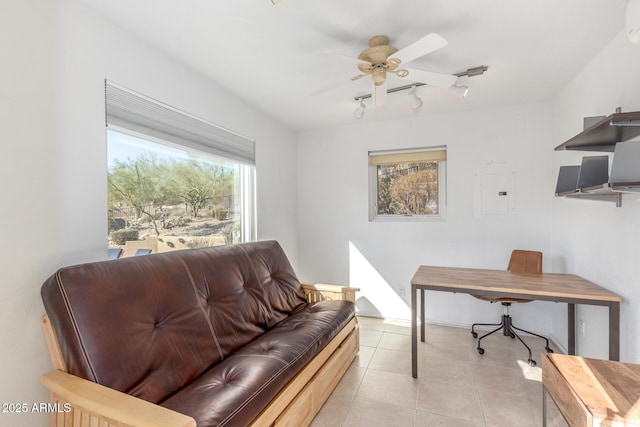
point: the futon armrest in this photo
(97, 401)
(321, 291)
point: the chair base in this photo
(508, 329)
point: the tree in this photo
(197, 183)
(145, 184)
(411, 188)
(384, 196)
(149, 185)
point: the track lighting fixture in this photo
(416, 101)
(460, 88)
(359, 113)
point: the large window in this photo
(408, 184)
(174, 181)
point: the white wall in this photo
(91, 49)
(593, 239)
(53, 162)
(338, 244)
(28, 165)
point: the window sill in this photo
(407, 218)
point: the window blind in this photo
(127, 109)
(390, 157)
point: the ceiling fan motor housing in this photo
(376, 55)
(378, 50)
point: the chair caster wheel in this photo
(532, 363)
(480, 350)
(549, 350)
(474, 334)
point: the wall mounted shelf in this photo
(588, 181)
(605, 133)
(603, 193)
(591, 179)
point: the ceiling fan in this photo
(380, 58)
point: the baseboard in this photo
(550, 337)
(554, 340)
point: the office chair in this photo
(520, 262)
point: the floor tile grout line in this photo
(474, 369)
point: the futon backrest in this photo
(149, 325)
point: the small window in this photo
(408, 184)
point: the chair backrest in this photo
(114, 253)
(525, 261)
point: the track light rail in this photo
(471, 72)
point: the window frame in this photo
(246, 179)
(374, 216)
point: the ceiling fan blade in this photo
(341, 57)
(328, 88)
(427, 44)
(430, 78)
(379, 94)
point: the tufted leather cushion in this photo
(230, 295)
(135, 324)
(280, 285)
(236, 390)
(150, 325)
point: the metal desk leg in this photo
(422, 315)
(571, 322)
(614, 331)
(414, 333)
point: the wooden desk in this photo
(567, 288)
(592, 392)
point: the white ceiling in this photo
(276, 57)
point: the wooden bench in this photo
(592, 392)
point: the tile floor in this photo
(456, 386)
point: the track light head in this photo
(460, 91)
(461, 88)
(416, 101)
(359, 113)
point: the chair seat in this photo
(501, 299)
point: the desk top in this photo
(544, 286)
(608, 390)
